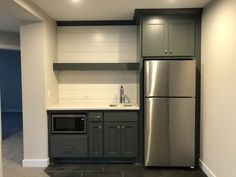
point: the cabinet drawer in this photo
(120, 116)
(95, 116)
(66, 146)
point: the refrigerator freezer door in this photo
(170, 78)
(169, 131)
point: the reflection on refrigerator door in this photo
(167, 78)
(169, 131)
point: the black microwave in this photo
(68, 123)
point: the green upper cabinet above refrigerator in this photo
(167, 36)
(181, 37)
(155, 37)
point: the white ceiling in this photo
(12, 14)
(8, 23)
(85, 10)
(108, 9)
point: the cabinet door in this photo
(129, 144)
(181, 37)
(111, 139)
(95, 139)
(154, 37)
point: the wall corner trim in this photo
(206, 169)
(35, 162)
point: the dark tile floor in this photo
(118, 170)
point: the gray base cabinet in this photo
(112, 139)
(63, 146)
(129, 139)
(95, 140)
(167, 36)
(120, 138)
(110, 135)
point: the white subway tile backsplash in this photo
(98, 44)
(97, 37)
(97, 86)
(105, 44)
(96, 93)
(96, 47)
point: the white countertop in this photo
(77, 106)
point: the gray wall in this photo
(9, 38)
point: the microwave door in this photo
(170, 78)
(61, 124)
(68, 123)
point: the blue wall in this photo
(10, 80)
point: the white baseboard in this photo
(207, 170)
(35, 162)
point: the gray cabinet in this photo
(155, 37)
(64, 146)
(181, 37)
(110, 134)
(95, 139)
(112, 139)
(120, 137)
(129, 139)
(95, 134)
(163, 36)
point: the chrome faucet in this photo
(122, 94)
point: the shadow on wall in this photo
(11, 95)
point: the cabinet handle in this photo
(166, 51)
(122, 127)
(118, 127)
(68, 147)
(100, 127)
(97, 117)
(171, 52)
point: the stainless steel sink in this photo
(126, 105)
(121, 105)
(113, 105)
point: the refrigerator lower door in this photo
(170, 132)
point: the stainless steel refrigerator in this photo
(169, 111)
